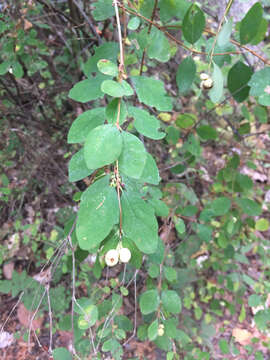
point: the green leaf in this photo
(89, 317)
(173, 8)
(161, 209)
(4, 67)
(171, 301)
(150, 172)
(108, 50)
(151, 92)
(254, 300)
(159, 46)
(99, 211)
(180, 225)
(249, 207)
(112, 111)
(193, 24)
(260, 33)
(84, 123)
(133, 23)
(204, 232)
(149, 302)
(17, 70)
(261, 114)
(262, 224)
(244, 181)
(238, 77)
(139, 222)
(111, 345)
(116, 89)
(224, 347)
(207, 132)
(221, 206)
(146, 124)
(250, 24)
(103, 10)
(77, 168)
(103, 146)
(61, 354)
(185, 120)
(216, 92)
(107, 67)
(88, 89)
(185, 74)
(225, 33)
(152, 330)
(133, 157)
(170, 274)
(260, 85)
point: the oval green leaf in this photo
(193, 24)
(238, 77)
(171, 301)
(102, 146)
(116, 89)
(77, 168)
(107, 67)
(149, 301)
(133, 157)
(249, 207)
(250, 24)
(185, 74)
(221, 206)
(217, 91)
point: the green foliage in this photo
(169, 202)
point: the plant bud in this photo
(111, 258)
(124, 255)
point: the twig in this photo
(148, 32)
(47, 287)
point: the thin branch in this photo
(194, 51)
(148, 32)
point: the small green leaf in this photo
(116, 89)
(261, 114)
(133, 23)
(224, 347)
(17, 70)
(238, 77)
(152, 93)
(146, 124)
(149, 301)
(217, 90)
(99, 211)
(88, 89)
(139, 222)
(185, 121)
(170, 274)
(77, 168)
(159, 46)
(262, 225)
(204, 232)
(249, 207)
(254, 300)
(133, 156)
(260, 85)
(152, 330)
(186, 74)
(207, 132)
(250, 24)
(103, 10)
(4, 67)
(225, 33)
(180, 225)
(89, 317)
(171, 301)
(107, 67)
(150, 172)
(102, 146)
(112, 111)
(221, 206)
(61, 354)
(84, 123)
(193, 24)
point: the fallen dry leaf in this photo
(242, 336)
(24, 316)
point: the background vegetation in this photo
(179, 120)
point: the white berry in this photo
(124, 255)
(160, 330)
(111, 258)
(204, 76)
(207, 84)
